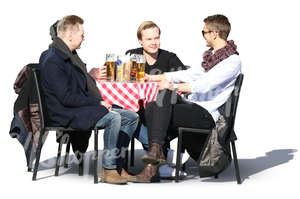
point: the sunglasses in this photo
(203, 32)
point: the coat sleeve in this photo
(56, 80)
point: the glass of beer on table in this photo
(123, 68)
(140, 63)
(133, 68)
(111, 62)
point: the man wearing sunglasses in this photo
(210, 87)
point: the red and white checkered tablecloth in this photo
(127, 95)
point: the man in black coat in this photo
(73, 100)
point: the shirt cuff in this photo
(193, 86)
(168, 76)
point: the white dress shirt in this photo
(210, 89)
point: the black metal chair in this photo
(230, 113)
(45, 128)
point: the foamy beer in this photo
(140, 63)
(110, 66)
(127, 68)
(122, 68)
(133, 68)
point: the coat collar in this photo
(63, 49)
(61, 54)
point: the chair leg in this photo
(58, 157)
(66, 165)
(125, 164)
(178, 160)
(96, 156)
(132, 152)
(236, 165)
(38, 154)
(31, 159)
(80, 166)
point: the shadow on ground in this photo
(248, 167)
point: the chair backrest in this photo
(235, 97)
(40, 96)
(228, 110)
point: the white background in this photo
(267, 36)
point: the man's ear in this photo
(215, 34)
(140, 41)
(69, 35)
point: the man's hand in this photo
(164, 84)
(106, 104)
(99, 74)
(147, 78)
(154, 78)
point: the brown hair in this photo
(218, 23)
(146, 25)
(68, 22)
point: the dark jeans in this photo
(170, 111)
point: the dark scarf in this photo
(75, 59)
(210, 59)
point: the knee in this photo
(151, 105)
(130, 116)
(115, 116)
(133, 116)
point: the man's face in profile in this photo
(206, 33)
(77, 36)
(150, 40)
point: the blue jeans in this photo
(143, 136)
(115, 121)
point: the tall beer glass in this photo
(133, 68)
(110, 66)
(140, 62)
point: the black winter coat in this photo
(66, 94)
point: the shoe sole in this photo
(172, 177)
(152, 180)
(117, 183)
(153, 161)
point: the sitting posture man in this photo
(210, 87)
(73, 101)
(158, 61)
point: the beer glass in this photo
(133, 68)
(127, 68)
(110, 66)
(140, 62)
(122, 63)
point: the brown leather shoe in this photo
(155, 156)
(149, 174)
(129, 178)
(112, 177)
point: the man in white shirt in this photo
(210, 86)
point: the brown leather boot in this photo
(149, 174)
(155, 156)
(129, 178)
(112, 177)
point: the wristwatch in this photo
(175, 86)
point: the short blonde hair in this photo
(146, 25)
(68, 22)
